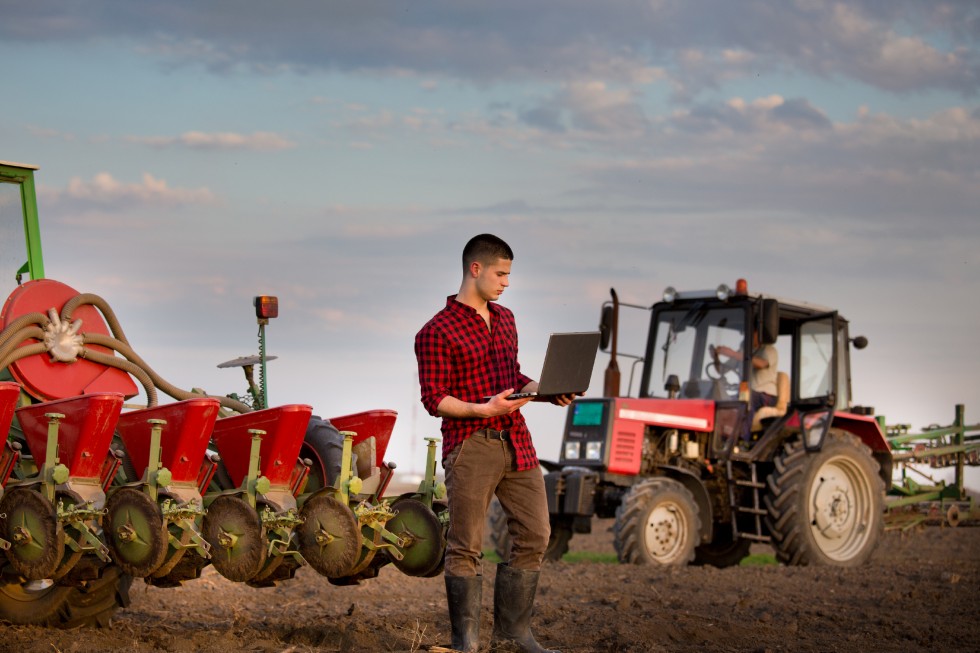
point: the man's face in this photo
(492, 279)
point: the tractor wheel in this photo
(42, 604)
(825, 508)
(324, 445)
(657, 523)
(499, 537)
(722, 552)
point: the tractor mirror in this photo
(605, 327)
(859, 342)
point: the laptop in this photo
(568, 364)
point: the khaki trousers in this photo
(476, 470)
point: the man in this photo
(466, 352)
(762, 376)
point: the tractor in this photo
(690, 473)
(96, 492)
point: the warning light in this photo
(741, 287)
(266, 307)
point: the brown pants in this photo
(475, 471)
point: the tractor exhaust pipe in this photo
(609, 326)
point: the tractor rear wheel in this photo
(499, 537)
(657, 523)
(40, 604)
(825, 508)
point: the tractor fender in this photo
(701, 497)
(867, 429)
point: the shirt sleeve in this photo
(435, 368)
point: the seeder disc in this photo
(135, 532)
(419, 527)
(238, 543)
(329, 538)
(36, 537)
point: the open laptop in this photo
(568, 364)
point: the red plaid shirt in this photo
(459, 357)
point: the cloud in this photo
(196, 140)
(899, 46)
(105, 191)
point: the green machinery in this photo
(918, 496)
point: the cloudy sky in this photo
(339, 154)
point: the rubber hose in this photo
(125, 366)
(94, 300)
(30, 319)
(22, 352)
(126, 350)
(158, 381)
(22, 336)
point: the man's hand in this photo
(728, 352)
(501, 405)
(559, 400)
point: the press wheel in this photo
(238, 544)
(419, 527)
(329, 538)
(31, 526)
(135, 532)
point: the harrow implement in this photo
(918, 497)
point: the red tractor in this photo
(691, 474)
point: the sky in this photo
(338, 155)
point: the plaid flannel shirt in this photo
(459, 357)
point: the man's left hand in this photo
(558, 400)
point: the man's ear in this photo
(475, 268)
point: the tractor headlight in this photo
(670, 294)
(723, 292)
(593, 450)
(572, 450)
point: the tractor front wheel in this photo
(825, 508)
(498, 536)
(657, 523)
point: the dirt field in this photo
(919, 593)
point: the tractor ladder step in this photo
(755, 508)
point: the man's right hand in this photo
(501, 405)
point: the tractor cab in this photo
(689, 332)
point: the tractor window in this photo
(13, 247)
(685, 344)
(816, 359)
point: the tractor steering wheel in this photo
(716, 370)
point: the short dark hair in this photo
(486, 248)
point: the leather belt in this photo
(491, 434)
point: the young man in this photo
(466, 352)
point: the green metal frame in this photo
(947, 446)
(23, 175)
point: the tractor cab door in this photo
(815, 389)
(815, 354)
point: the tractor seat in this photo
(782, 402)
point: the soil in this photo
(919, 592)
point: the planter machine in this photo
(94, 493)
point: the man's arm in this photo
(498, 405)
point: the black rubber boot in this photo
(513, 602)
(464, 593)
